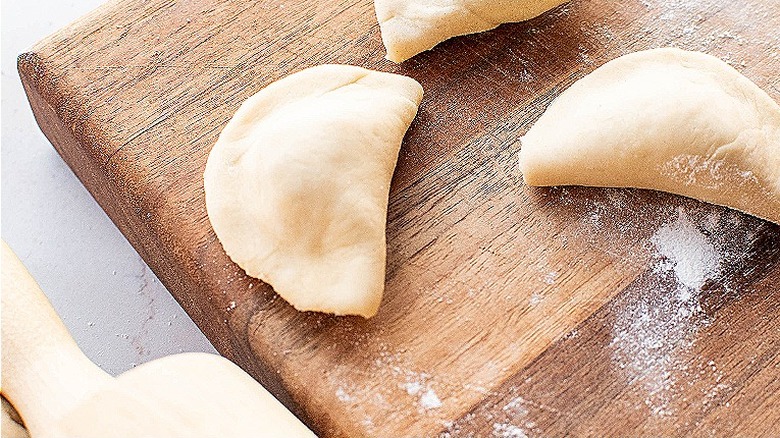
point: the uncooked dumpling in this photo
(665, 119)
(297, 184)
(412, 26)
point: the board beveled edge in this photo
(51, 109)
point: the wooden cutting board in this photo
(509, 310)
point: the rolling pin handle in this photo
(44, 373)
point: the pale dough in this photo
(297, 184)
(410, 27)
(665, 119)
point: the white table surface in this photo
(112, 303)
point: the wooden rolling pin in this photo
(59, 392)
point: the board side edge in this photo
(44, 97)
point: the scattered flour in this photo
(476, 388)
(516, 407)
(343, 396)
(652, 335)
(429, 400)
(417, 385)
(686, 252)
(512, 421)
(507, 430)
(413, 388)
(694, 169)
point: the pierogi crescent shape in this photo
(410, 27)
(664, 119)
(297, 184)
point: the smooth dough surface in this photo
(410, 27)
(188, 395)
(664, 119)
(297, 184)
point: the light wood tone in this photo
(60, 393)
(487, 280)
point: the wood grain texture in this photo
(508, 309)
